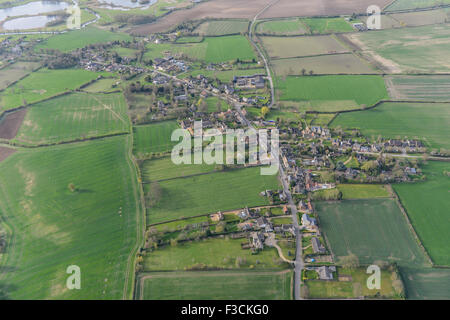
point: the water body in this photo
(128, 4)
(32, 8)
(28, 22)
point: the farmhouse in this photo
(216, 217)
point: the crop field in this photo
(290, 47)
(73, 117)
(221, 285)
(368, 228)
(427, 205)
(421, 18)
(413, 4)
(10, 123)
(431, 88)
(325, 64)
(350, 289)
(407, 50)
(426, 283)
(222, 27)
(154, 138)
(210, 50)
(332, 93)
(204, 194)
(393, 120)
(95, 226)
(217, 252)
(81, 38)
(362, 191)
(15, 71)
(43, 84)
(5, 153)
(102, 85)
(285, 27)
(327, 25)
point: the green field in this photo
(327, 25)
(73, 117)
(43, 84)
(431, 88)
(408, 50)
(210, 50)
(372, 229)
(426, 283)
(224, 76)
(222, 27)
(429, 122)
(154, 138)
(362, 191)
(94, 227)
(412, 4)
(81, 38)
(285, 26)
(427, 205)
(332, 93)
(219, 253)
(15, 71)
(102, 85)
(221, 286)
(227, 190)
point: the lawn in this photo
(427, 204)
(94, 227)
(44, 84)
(215, 253)
(221, 286)
(327, 25)
(362, 191)
(372, 229)
(154, 138)
(73, 117)
(81, 38)
(328, 93)
(429, 122)
(227, 190)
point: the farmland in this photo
(285, 27)
(412, 4)
(74, 117)
(333, 93)
(324, 64)
(94, 226)
(212, 192)
(393, 120)
(436, 88)
(426, 283)
(222, 27)
(362, 191)
(289, 47)
(15, 71)
(221, 285)
(224, 76)
(43, 84)
(154, 138)
(327, 25)
(368, 228)
(426, 204)
(80, 38)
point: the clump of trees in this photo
(61, 61)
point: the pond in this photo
(32, 8)
(118, 4)
(28, 22)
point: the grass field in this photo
(327, 64)
(431, 88)
(43, 84)
(73, 117)
(369, 229)
(420, 18)
(221, 286)
(362, 191)
(16, 71)
(94, 227)
(154, 138)
(327, 25)
(222, 27)
(427, 205)
(412, 4)
(408, 50)
(220, 253)
(210, 50)
(224, 76)
(355, 288)
(285, 27)
(289, 47)
(81, 38)
(187, 197)
(332, 93)
(426, 283)
(102, 85)
(429, 122)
